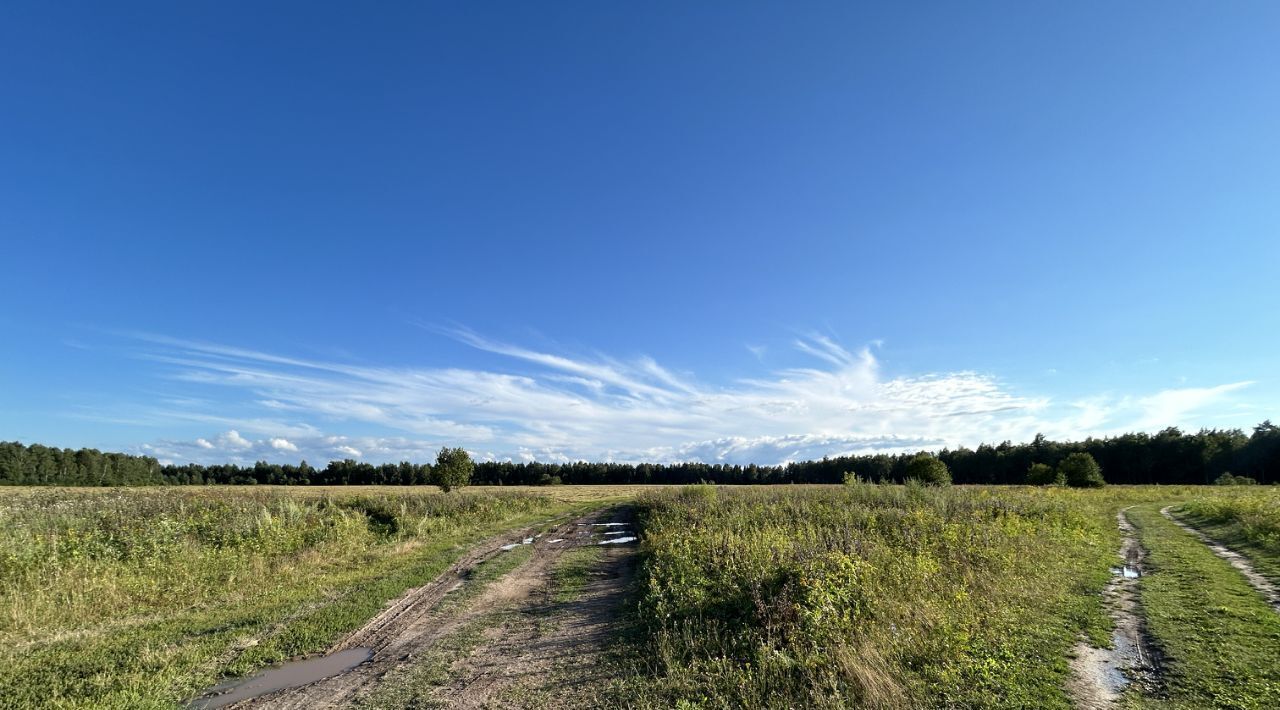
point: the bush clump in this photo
(927, 469)
(1042, 474)
(1079, 470)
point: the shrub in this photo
(1079, 470)
(1227, 479)
(928, 470)
(1042, 474)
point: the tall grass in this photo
(1254, 515)
(136, 597)
(870, 596)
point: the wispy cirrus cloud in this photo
(559, 407)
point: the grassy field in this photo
(892, 597)
(786, 596)
(870, 596)
(141, 597)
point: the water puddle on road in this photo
(618, 540)
(1127, 572)
(289, 675)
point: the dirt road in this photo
(1100, 675)
(526, 652)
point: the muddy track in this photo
(1264, 586)
(1100, 675)
(548, 654)
(413, 622)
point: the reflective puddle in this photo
(289, 675)
(618, 540)
(1127, 571)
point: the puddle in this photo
(514, 545)
(289, 675)
(607, 525)
(617, 532)
(618, 540)
(1127, 572)
(552, 542)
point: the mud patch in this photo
(1264, 586)
(417, 621)
(289, 675)
(1099, 676)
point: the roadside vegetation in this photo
(142, 597)
(868, 595)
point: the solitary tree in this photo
(1042, 474)
(928, 470)
(453, 468)
(1079, 470)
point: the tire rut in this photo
(1269, 590)
(414, 621)
(548, 654)
(1099, 676)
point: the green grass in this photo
(141, 598)
(868, 596)
(1220, 640)
(573, 572)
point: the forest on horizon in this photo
(1170, 457)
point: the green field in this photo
(772, 596)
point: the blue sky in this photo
(729, 232)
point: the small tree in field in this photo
(928, 470)
(1081, 471)
(1042, 474)
(453, 469)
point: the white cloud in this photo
(556, 407)
(280, 444)
(1173, 407)
(234, 440)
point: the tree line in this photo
(1168, 457)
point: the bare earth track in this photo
(415, 622)
(1100, 675)
(1264, 586)
(546, 655)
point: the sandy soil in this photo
(1100, 675)
(1265, 587)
